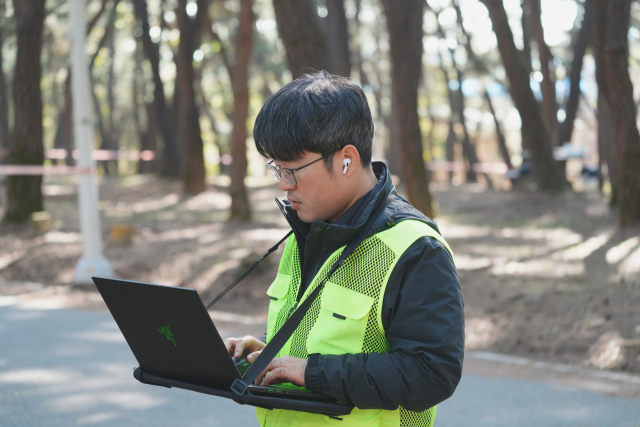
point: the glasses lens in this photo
(274, 172)
(289, 177)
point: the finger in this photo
(277, 376)
(253, 356)
(227, 343)
(258, 345)
(239, 348)
(275, 363)
(230, 343)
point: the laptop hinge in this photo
(239, 387)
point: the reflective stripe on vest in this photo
(345, 318)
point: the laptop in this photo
(172, 336)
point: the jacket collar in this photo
(364, 213)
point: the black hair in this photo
(317, 112)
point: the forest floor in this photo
(547, 277)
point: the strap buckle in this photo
(239, 387)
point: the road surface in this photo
(65, 367)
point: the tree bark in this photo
(477, 64)
(147, 137)
(240, 209)
(300, 31)
(404, 22)
(24, 193)
(170, 162)
(548, 70)
(64, 131)
(106, 131)
(337, 33)
(502, 143)
(193, 173)
(620, 88)
(450, 146)
(527, 32)
(606, 141)
(606, 131)
(456, 102)
(5, 134)
(480, 67)
(393, 153)
(534, 131)
(112, 130)
(565, 131)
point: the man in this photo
(387, 331)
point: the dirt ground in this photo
(547, 277)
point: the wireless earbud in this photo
(347, 162)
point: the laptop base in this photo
(331, 409)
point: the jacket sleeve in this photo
(423, 316)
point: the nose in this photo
(285, 186)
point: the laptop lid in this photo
(169, 332)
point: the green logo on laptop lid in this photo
(164, 330)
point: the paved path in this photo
(61, 367)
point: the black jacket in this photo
(423, 311)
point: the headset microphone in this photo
(347, 162)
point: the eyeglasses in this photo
(278, 172)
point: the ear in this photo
(350, 153)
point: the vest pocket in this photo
(341, 323)
(278, 293)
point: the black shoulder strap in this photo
(249, 270)
(284, 333)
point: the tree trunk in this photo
(620, 88)
(64, 131)
(393, 153)
(480, 67)
(240, 209)
(458, 105)
(300, 31)
(112, 131)
(457, 101)
(565, 131)
(606, 131)
(193, 173)
(105, 129)
(404, 22)
(24, 193)
(548, 70)
(206, 107)
(527, 33)
(337, 33)
(170, 162)
(147, 137)
(534, 131)
(100, 119)
(450, 146)
(606, 144)
(5, 135)
(502, 144)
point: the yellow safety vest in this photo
(345, 318)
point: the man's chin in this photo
(304, 216)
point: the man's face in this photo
(317, 195)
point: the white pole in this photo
(92, 262)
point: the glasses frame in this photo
(276, 171)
